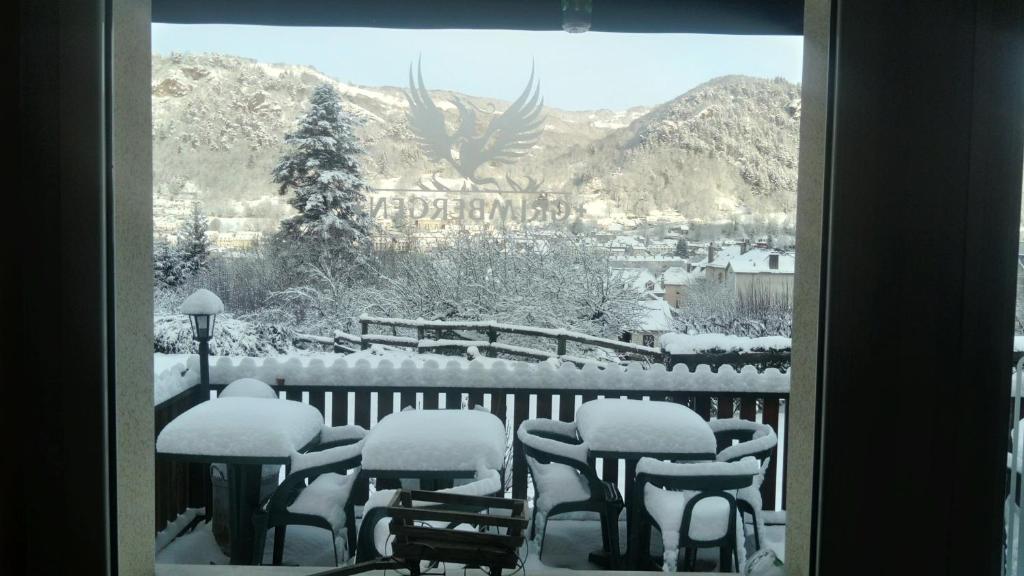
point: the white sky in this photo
(577, 71)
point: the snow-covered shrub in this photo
(711, 307)
(172, 334)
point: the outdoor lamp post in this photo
(202, 308)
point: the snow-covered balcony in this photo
(364, 387)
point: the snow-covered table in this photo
(434, 444)
(631, 429)
(244, 433)
(619, 428)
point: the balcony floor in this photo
(566, 548)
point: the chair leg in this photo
(279, 534)
(725, 558)
(540, 545)
(689, 561)
(640, 551)
(613, 538)
(260, 522)
(334, 543)
(350, 528)
(533, 523)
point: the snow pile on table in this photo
(172, 375)
(619, 425)
(436, 440)
(442, 372)
(254, 427)
(676, 343)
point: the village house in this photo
(718, 257)
(675, 282)
(655, 321)
(762, 277)
(654, 264)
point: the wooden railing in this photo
(180, 486)
(446, 337)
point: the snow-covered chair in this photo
(375, 529)
(248, 388)
(754, 440)
(564, 481)
(693, 505)
(331, 470)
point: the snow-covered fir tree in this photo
(193, 241)
(683, 248)
(321, 171)
(173, 264)
(167, 265)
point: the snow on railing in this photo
(171, 380)
(456, 373)
(493, 330)
(675, 343)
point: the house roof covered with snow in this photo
(657, 316)
(723, 255)
(627, 241)
(640, 278)
(678, 276)
(758, 261)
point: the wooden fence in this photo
(179, 486)
(448, 337)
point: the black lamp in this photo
(202, 308)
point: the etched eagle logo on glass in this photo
(507, 137)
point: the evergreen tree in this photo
(193, 243)
(173, 264)
(167, 265)
(683, 248)
(322, 172)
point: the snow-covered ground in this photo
(567, 546)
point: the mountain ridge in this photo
(219, 123)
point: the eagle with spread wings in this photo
(507, 137)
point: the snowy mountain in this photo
(724, 147)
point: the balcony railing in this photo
(360, 393)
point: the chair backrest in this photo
(306, 467)
(551, 441)
(248, 388)
(755, 439)
(696, 476)
(706, 479)
(331, 436)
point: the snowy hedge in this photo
(172, 334)
(675, 343)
